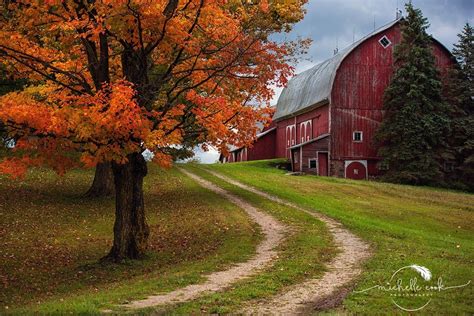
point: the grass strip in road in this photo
(302, 256)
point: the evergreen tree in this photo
(413, 132)
(459, 92)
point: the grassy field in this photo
(301, 256)
(52, 239)
(405, 225)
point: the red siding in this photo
(264, 148)
(319, 119)
(357, 95)
(323, 164)
(356, 170)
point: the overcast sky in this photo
(331, 22)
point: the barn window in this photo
(312, 163)
(384, 41)
(302, 131)
(293, 135)
(357, 136)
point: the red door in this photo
(356, 170)
(323, 164)
(296, 160)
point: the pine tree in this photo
(459, 91)
(412, 134)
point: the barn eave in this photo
(313, 87)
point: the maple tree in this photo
(110, 79)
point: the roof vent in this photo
(384, 41)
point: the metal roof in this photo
(313, 86)
(259, 135)
(266, 132)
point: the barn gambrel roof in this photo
(313, 86)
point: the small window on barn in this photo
(357, 136)
(312, 163)
(384, 41)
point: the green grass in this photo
(303, 255)
(404, 224)
(52, 239)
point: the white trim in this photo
(296, 133)
(317, 163)
(363, 162)
(304, 125)
(389, 41)
(361, 136)
(302, 132)
(353, 47)
(288, 141)
(310, 141)
(266, 132)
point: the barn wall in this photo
(310, 152)
(319, 119)
(357, 97)
(263, 148)
(281, 139)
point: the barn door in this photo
(296, 160)
(356, 169)
(323, 164)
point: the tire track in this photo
(273, 231)
(326, 291)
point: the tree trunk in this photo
(103, 184)
(130, 229)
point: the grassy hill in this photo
(52, 239)
(405, 225)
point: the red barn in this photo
(327, 116)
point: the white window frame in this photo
(304, 125)
(309, 163)
(363, 162)
(389, 41)
(290, 141)
(293, 133)
(361, 136)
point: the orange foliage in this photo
(111, 78)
